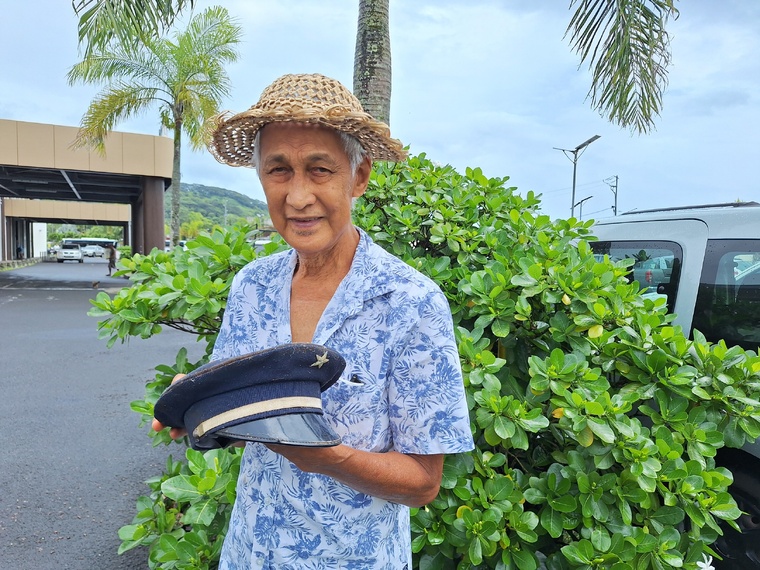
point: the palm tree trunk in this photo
(372, 59)
(176, 181)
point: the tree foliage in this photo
(627, 48)
(104, 21)
(596, 420)
(56, 233)
(625, 43)
(185, 77)
(214, 204)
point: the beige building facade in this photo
(44, 179)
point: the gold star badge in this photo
(321, 360)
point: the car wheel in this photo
(81, 260)
(741, 551)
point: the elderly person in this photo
(399, 405)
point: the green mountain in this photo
(213, 202)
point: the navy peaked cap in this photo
(270, 396)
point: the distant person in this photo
(19, 252)
(111, 254)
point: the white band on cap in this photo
(256, 408)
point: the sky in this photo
(476, 83)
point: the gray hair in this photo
(351, 146)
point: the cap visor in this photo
(307, 430)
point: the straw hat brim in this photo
(232, 137)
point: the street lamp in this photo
(614, 188)
(580, 203)
(575, 157)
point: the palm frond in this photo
(109, 107)
(628, 51)
(102, 22)
(195, 122)
(215, 34)
(141, 65)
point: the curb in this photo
(16, 263)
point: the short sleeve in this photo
(428, 407)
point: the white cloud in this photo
(477, 83)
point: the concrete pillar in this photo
(138, 239)
(153, 212)
(3, 233)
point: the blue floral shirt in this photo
(401, 390)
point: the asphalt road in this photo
(73, 460)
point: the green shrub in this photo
(596, 420)
(124, 251)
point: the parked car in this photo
(168, 244)
(93, 251)
(705, 261)
(69, 252)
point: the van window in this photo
(657, 265)
(728, 301)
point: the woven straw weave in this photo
(311, 98)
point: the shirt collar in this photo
(366, 279)
(370, 276)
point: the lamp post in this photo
(575, 157)
(580, 203)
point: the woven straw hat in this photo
(302, 98)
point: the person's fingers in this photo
(158, 426)
(176, 433)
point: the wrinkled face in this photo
(309, 185)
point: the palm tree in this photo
(372, 59)
(186, 78)
(624, 42)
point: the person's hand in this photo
(174, 433)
